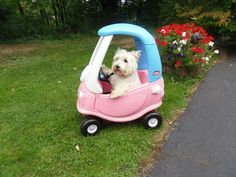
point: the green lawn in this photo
(39, 123)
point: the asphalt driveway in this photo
(203, 143)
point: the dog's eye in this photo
(125, 61)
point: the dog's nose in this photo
(117, 67)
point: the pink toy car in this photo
(93, 94)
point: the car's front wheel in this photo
(90, 126)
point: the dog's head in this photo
(124, 62)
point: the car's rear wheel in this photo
(152, 120)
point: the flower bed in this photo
(185, 46)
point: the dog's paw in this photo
(103, 66)
(107, 71)
(116, 93)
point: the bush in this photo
(185, 45)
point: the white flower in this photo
(193, 18)
(211, 44)
(206, 58)
(216, 51)
(183, 34)
(175, 42)
(184, 42)
(163, 31)
(179, 49)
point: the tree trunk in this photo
(20, 8)
(55, 13)
(58, 5)
(64, 10)
(44, 15)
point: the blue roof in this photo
(127, 29)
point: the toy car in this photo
(93, 94)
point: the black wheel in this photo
(152, 120)
(90, 126)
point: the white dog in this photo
(123, 76)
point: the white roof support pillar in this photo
(90, 73)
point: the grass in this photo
(39, 123)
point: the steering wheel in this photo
(102, 76)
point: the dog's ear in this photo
(136, 54)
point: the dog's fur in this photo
(123, 75)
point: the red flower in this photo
(186, 36)
(203, 61)
(182, 33)
(178, 63)
(156, 40)
(195, 60)
(163, 43)
(178, 31)
(197, 50)
(207, 39)
(164, 31)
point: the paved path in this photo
(203, 143)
